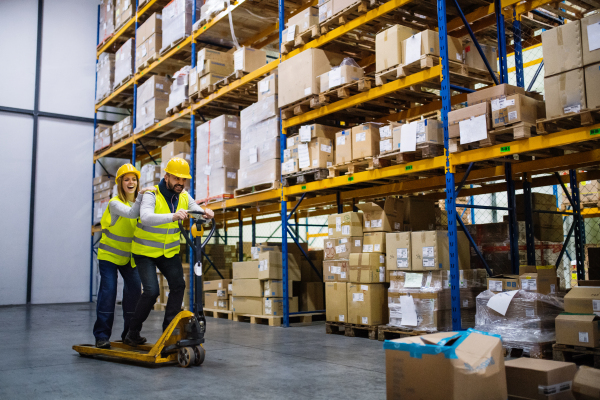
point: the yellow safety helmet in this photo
(178, 167)
(127, 169)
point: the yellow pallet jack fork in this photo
(183, 339)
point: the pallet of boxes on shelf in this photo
(122, 130)
(211, 67)
(178, 93)
(357, 149)
(217, 298)
(335, 13)
(105, 69)
(300, 29)
(208, 11)
(106, 24)
(124, 10)
(152, 102)
(124, 64)
(148, 42)
(177, 22)
(218, 158)
(102, 138)
(103, 191)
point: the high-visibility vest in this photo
(161, 240)
(115, 243)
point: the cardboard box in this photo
(298, 76)
(270, 267)
(365, 140)
(367, 268)
(578, 330)
(211, 300)
(247, 287)
(207, 54)
(268, 86)
(150, 27)
(543, 281)
(148, 49)
(210, 79)
(470, 123)
(312, 296)
(340, 5)
(492, 93)
(336, 271)
(340, 76)
(388, 46)
(343, 146)
(412, 362)
(398, 251)
(367, 304)
(156, 87)
(382, 217)
(503, 283)
(325, 10)
(223, 304)
(274, 288)
(513, 109)
(336, 296)
(171, 149)
(309, 132)
(316, 154)
(274, 305)
(214, 285)
(586, 385)
(305, 19)
(247, 305)
(430, 251)
(590, 24)
(583, 300)
(215, 183)
(345, 225)
(592, 83)
(340, 249)
(473, 58)
(374, 242)
(248, 59)
(565, 93)
(259, 173)
(561, 48)
(531, 378)
(427, 42)
(419, 214)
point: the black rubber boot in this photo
(103, 343)
(134, 339)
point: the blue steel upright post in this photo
(518, 49)
(501, 42)
(529, 238)
(450, 187)
(192, 165)
(94, 169)
(284, 233)
(578, 224)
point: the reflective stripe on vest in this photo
(116, 241)
(161, 240)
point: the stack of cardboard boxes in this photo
(106, 75)
(107, 20)
(218, 158)
(208, 9)
(102, 137)
(247, 59)
(579, 325)
(124, 63)
(356, 143)
(148, 40)
(124, 10)
(222, 256)
(572, 66)
(211, 67)
(152, 102)
(311, 148)
(411, 136)
(299, 23)
(122, 130)
(103, 189)
(150, 175)
(178, 94)
(347, 72)
(259, 149)
(217, 294)
(177, 21)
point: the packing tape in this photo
(559, 37)
(562, 82)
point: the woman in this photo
(114, 254)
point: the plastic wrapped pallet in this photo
(124, 61)
(152, 100)
(124, 10)
(177, 21)
(208, 10)
(260, 132)
(217, 162)
(528, 318)
(259, 111)
(179, 87)
(259, 173)
(150, 175)
(106, 75)
(107, 19)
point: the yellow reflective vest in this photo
(115, 243)
(161, 240)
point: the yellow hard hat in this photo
(179, 167)
(127, 169)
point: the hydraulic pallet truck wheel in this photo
(182, 341)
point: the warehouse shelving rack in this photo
(341, 193)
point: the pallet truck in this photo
(182, 340)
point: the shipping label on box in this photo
(365, 140)
(340, 249)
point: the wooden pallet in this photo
(301, 39)
(302, 177)
(147, 63)
(587, 116)
(218, 313)
(301, 106)
(335, 328)
(351, 167)
(172, 45)
(358, 330)
(424, 151)
(347, 14)
(541, 350)
(508, 133)
(179, 107)
(263, 187)
(274, 320)
(388, 332)
(343, 92)
(236, 75)
(121, 138)
(123, 81)
(576, 354)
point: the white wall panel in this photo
(18, 30)
(69, 57)
(16, 133)
(61, 253)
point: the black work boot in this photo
(103, 343)
(134, 339)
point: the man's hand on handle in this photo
(180, 215)
(208, 213)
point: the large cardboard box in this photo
(561, 47)
(419, 214)
(209, 79)
(388, 46)
(473, 58)
(345, 225)
(268, 86)
(343, 146)
(367, 304)
(310, 132)
(382, 217)
(543, 281)
(513, 109)
(247, 59)
(274, 305)
(155, 87)
(211, 300)
(247, 305)
(245, 270)
(586, 385)
(374, 242)
(305, 19)
(171, 149)
(274, 288)
(470, 123)
(316, 154)
(420, 367)
(398, 251)
(578, 330)
(340, 249)
(336, 295)
(531, 378)
(592, 83)
(311, 296)
(367, 268)
(325, 10)
(150, 27)
(365, 140)
(247, 287)
(493, 93)
(336, 271)
(583, 300)
(340, 76)
(258, 173)
(214, 285)
(270, 266)
(590, 44)
(427, 42)
(565, 93)
(340, 5)
(298, 76)
(430, 251)
(503, 283)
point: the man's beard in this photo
(175, 188)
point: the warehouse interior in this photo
(347, 196)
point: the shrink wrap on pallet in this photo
(259, 111)
(107, 19)
(179, 87)
(124, 61)
(259, 173)
(177, 21)
(152, 100)
(106, 75)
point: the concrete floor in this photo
(243, 361)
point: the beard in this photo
(176, 188)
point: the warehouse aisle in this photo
(242, 361)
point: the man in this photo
(156, 244)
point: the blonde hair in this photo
(121, 193)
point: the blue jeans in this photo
(107, 296)
(172, 270)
